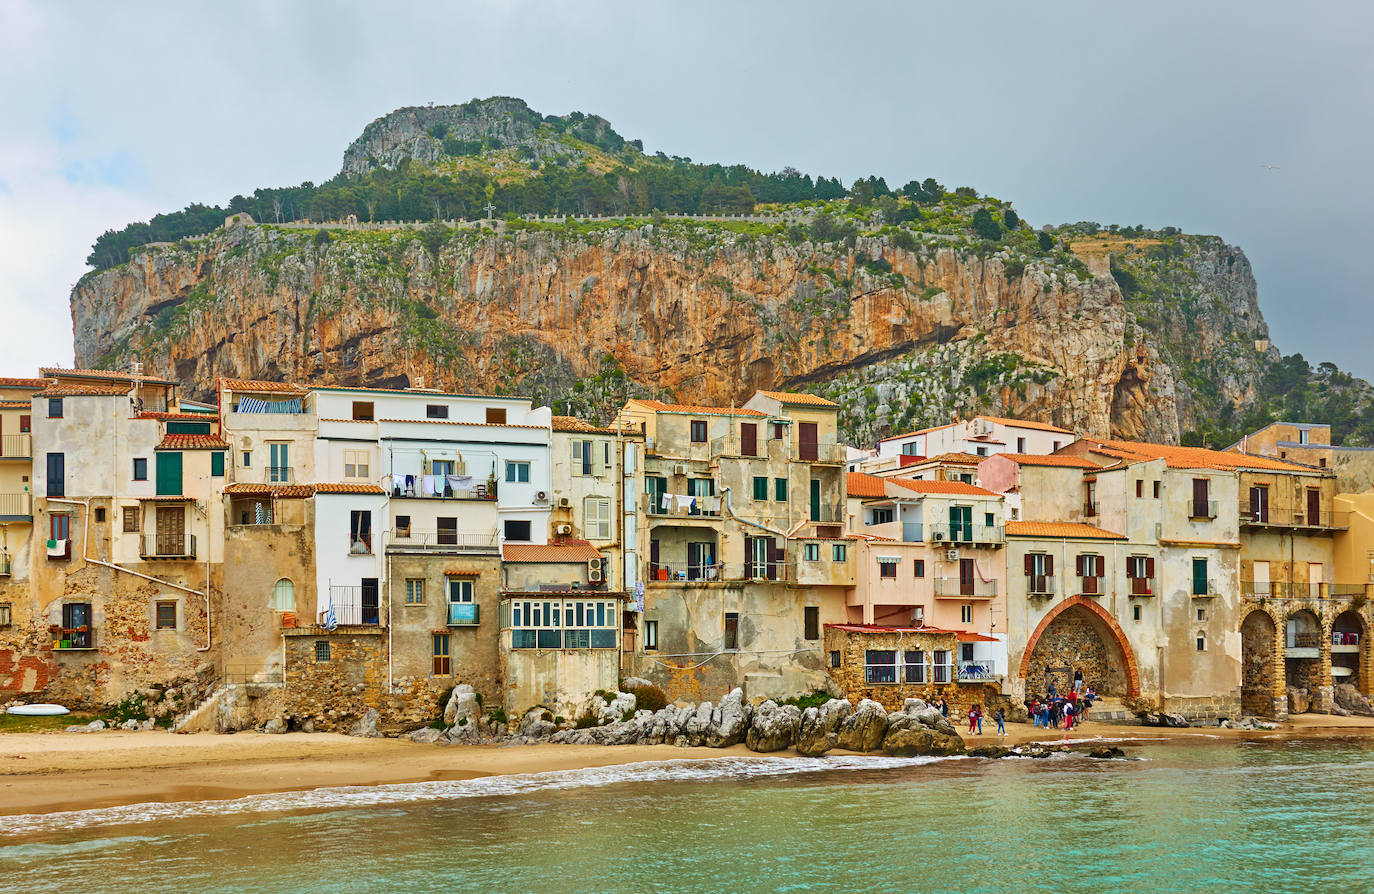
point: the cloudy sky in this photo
(1161, 114)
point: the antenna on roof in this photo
(136, 367)
(419, 382)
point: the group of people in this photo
(975, 720)
(1057, 711)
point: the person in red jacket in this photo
(972, 718)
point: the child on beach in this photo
(1001, 718)
(972, 718)
(1068, 716)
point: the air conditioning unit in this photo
(918, 615)
(679, 469)
(951, 555)
(563, 502)
(937, 536)
(594, 572)
(563, 530)
(541, 497)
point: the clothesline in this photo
(689, 502)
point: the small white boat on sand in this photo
(37, 710)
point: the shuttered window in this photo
(169, 473)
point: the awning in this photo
(976, 638)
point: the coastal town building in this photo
(979, 436)
(1309, 444)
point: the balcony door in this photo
(808, 444)
(815, 499)
(369, 601)
(701, 561)
(1259, 504)
(279, 468)
(1314, 506)
(966, 583)
(1261, 575)
(171, 531)
(961, 523)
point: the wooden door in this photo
(807, 441)
(748, 439)
(1259, 504)
(170, 539)
(1200, 491)
(1314, 506)
(966, 584)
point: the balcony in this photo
(1089, 508)
(279, 475)
(911, 532)
(1302, 644)
(1205, 510)
(1204, 589)
(16, 507)
(825, 452)
(954, 588)
(351, 607)
(72, 639)
(1263, 589)
(1141, 586)
(1345, 641)
(407, 540)
(464, 614)
(681, 572)
(978, 671)
(16, 446)
(681, 506)
(967, 535)
(168, 546)
(1263, 516)
(412, 487)
(1041, 585)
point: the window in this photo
(1202, 644)
(941, 666)
(496, 415)
(780, 490)
(167, 468)
(811, 552)
(966, 614)
(217, 464)
(60, 526)
(140, 468)
(360, 531)
(650, 635)
(1201, 492)
(1040, 573)
(909, 449)
(517, 530)
(1139, 488)
(441, 468)
(284, 596)
(811, 622)
(436, 411)
(1020, 445)
(839, 552)
(518, 472)
(582, 456)
(54, 408)
(130, 519)
(321, 651)
(1091, 569)
(1302, 436)
(882, 516)
(415, 591)
(1135, 613)
(1056, 446)
(887, 568)
(76, 625)
(6, 617)
(57, 475)
(166, 616)
(356, 463)
(100, 514)
(915, 665)
(1140, 570)
(443, 662)
(698, 431)
(834, 657)
(918, 567)
(25, 424)
(748, 439)
(1201, 586)
(596, 521)
(1156, 489)
(760, 489)
(779, 430)
(402, 526)
(1202, 614)
(880, 666)
(981, 451)
(362, 411)
(247, 459)
(447, 530)
(730, 642)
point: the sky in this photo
(1247, 120)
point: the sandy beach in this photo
(53, 771)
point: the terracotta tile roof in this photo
(165, 499)
(15, 404)
(1023, 423)
(573, 424)
(661, 407)
(57, 372)
(192, 442)
(919, 431)
(35, 384)
(336, 487)
(799, 399)
(163, 417)
(1059, 529)
(966, 637)
(567, 551)
(1176, 457)
(84, 391)
(861, 484)
(284, 491)
(855, 535)
(962, 459)
(248, 487)
(261, 386)
(422, 392)
(1031, 459)
(958, 488)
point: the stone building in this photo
(890, 664)
(17, 672)
(980, 436)
(1309, 444)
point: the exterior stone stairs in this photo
(1111, 710)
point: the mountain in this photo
(909, 306)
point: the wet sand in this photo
(47, 772)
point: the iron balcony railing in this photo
(1304, 641)
(19, 446)
(279, 475)
(687, 571)
(349, 608)
(406, 539)
(954, 588)
(464, 614)
(16, 504)
(681, 505)
(1040, 585)
(682, 571)
(1202, 508)
(440, 488)
(1263, 589)
(1089, 508)
(168, 546)
(1262, 516)
(943, 532)
(977, 671)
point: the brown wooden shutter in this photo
(1150, 568)
(749, 439)
(1199, 497)
(807, 441)
(1049, 566)
(1030, 564)
(1078, 565)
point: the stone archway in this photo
(1258, 645)
(1349, 650)
(1079, 634)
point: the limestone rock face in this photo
(366, 727)
(729, 721)
(462, 703)
(921, 741)
(864, 729)
(702, 315)
(773, 727)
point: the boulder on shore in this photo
(462, 703)
(1299, 702)
(919, 729)
(366, 727)
(729, 721)
(820, 727)
(864, 729)
(773, 728)
(1351, 699)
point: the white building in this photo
(979, 436)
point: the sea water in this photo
(1268, 815)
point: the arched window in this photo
(284, 596)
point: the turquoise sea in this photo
(1267, 815)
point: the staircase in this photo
(1111, 710)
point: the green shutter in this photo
(760, 489)
(1199, 577)
(780, 489)
(815, 499)
(169, 473)
(188, 428)
(217, 464)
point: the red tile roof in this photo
(1077, 530)
(966, 637)
(568, 551)
(573, 424)
(799, 399)
(163, 417)
(959, 488)
(1031, 459)
(35, 384)
(859, 484)
(1176, 457)
(335, 487)
(165, 499)
(15, 404)
(961, 459)
(1024, 423)
(57, 372)
(192, 442)
(84, 391)
(260, 386)
(661, 407)
(248, 487)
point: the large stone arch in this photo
(1104, 623)
(1355, 656)
(1260, 671)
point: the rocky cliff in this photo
(582, 314)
